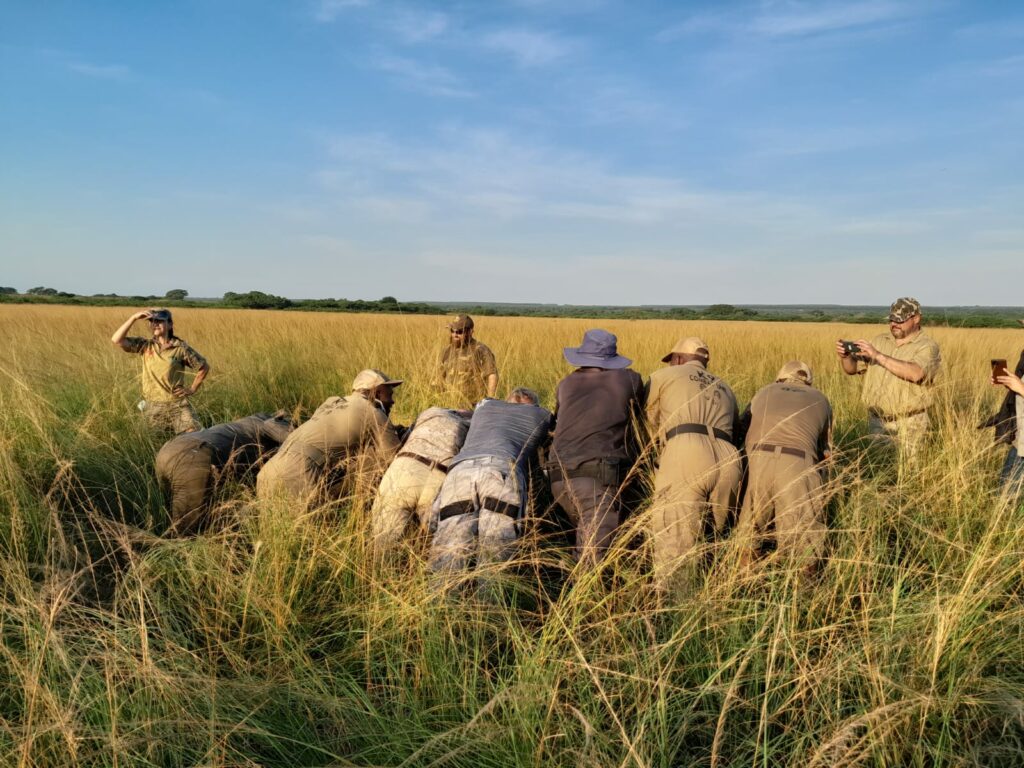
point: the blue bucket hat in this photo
(598, 350)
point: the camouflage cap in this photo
(689, 346)
(370, 379)
(795, 369)
(461, 323)
(159, 315)
(903, 309)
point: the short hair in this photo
(524, 393)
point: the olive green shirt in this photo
(342, 425)
(689, 394)
(462, 373)
(163, 369)
(891, 395)
(791, 415)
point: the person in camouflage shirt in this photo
(466, 371)
(165, 357)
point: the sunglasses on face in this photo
(458, 333)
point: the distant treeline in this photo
(230, 300)
(982, 318)
(960, 317)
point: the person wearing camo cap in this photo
(335, 442)
(899, 369)
(466, 372)
(787, 430)
(692, 414)
(165, 404)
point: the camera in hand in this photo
(850, 347)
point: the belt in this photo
(489, 503)
(604, 471)
(698, 429)
(423, 460)
(781, 449)
(895, 417)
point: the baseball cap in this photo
(160, 315)
(688, 346)
(795, 369)
(371, 378)
(903, 309)
(461, 323)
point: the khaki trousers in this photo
(593, 508)
(175, 416)
(185, 472)
(293, 475)
(907, 434)
(406, 493)
(786, 493)
(697, 482)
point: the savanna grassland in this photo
(273, 640)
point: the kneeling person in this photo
(484, 495)
(189, 465)
(312, 461)
(411, 483)
(788, 433)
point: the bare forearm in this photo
(492, 384)
(197, 382)
(901, 369)
(122, 333)
(849, 364)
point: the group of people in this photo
(462, 474)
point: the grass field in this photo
(274, 642)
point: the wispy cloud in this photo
(427, 78)
(416, 26)
(101, 71)
(1002, 29)
(789, 19)
(623, 100)
(465, 169)
(327, 11)
(529, 48)
(778, 19)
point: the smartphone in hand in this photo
(999, 368)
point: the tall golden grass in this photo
(274, 641)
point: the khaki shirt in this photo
(689, 394)
(462, 373)
(891, 395)
(791, 415)
(163, 369)
(342, 425)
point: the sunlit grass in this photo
(276, 641)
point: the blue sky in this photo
(581, 151)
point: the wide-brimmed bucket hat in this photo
(598, 350)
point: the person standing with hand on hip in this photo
(165, 357)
